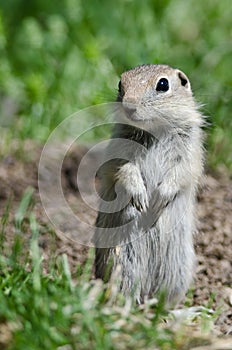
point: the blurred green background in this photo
(57, 57)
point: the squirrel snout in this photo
(129, 108)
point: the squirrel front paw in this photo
(130, 179)
(140, 200)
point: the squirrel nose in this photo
(129, 108)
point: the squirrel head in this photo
(151, 92)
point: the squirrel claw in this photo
(140, 202)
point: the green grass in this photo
(59, 57)
(48, 307)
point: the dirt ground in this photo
(213, 281)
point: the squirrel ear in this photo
(183, 79)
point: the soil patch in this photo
(213, 280)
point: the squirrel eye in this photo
(162, 85)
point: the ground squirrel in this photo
(159, 178)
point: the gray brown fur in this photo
(161, 183)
